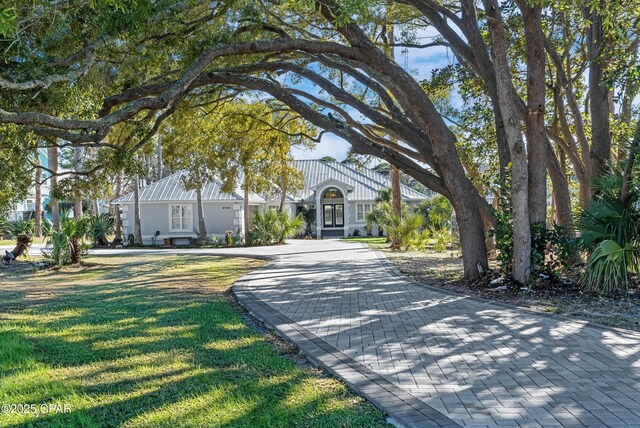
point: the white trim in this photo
(190, 205)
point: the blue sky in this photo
(421, 62)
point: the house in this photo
(26, 209)
(343, 194)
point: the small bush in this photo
(443, 238)
(272, 227)
(409, 232)
(610, 232)
(13, 229)
(67, 244)
(4, 226)
(214, 241)
(100, 227)
(608, 267)
(233, 239)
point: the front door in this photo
(333, 215)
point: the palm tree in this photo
(384, 195)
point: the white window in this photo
(180, 217)
(361, 211)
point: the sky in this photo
(421, 62)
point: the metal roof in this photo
(170, 189)
(366, 185)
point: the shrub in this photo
(214, 240)
(4, 226)
(100, 227)
(233, 239)
(409, 232)
(380, 215)
(437, 212)
(356, 233)
(608, 266)
(443, 237)
(610, 231)
(67, 244)
(309, 216)
(550, 248)
(271, 227)
(12, 229)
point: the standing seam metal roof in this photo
(366, 184)
(170, 189)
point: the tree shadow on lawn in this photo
(125, 352)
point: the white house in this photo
(26, 208)
(341, 195)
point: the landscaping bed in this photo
(547, 294)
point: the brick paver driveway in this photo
(434, 358)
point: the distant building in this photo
(26, 208)
(341, 194)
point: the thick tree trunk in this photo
(202, 229)
(137, 227)
(519, 163)
(472, 235)
(535, 129)
(561, 195)
(53, 202)
(396, 195)
(38, 202)
(599, 106)
(504, 157)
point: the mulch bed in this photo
(548, 293)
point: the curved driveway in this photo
(430, 357)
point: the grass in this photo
(12, 242)
(366, 239)
(154, 340)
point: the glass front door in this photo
(338, 212)
(328, 215)
(333, 215)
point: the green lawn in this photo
(154, 341)
(367, 239)
(13, 241)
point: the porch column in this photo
(346, 210)
(318, 215)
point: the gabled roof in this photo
(170, 189)
(366, 183)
